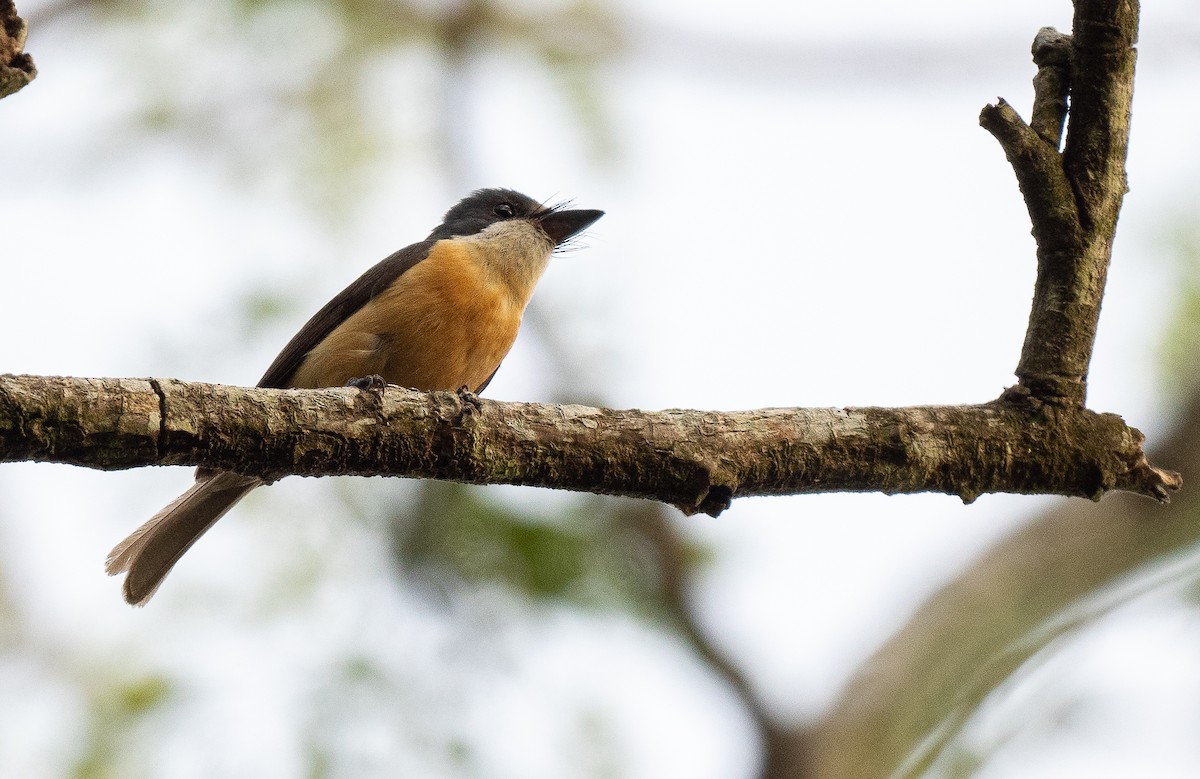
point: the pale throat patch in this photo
(514, 252)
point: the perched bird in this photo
(437, 315)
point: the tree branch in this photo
(1052, 54)
(697, 461)
(16, 67)
(1073, 197)
(1104, 33)
(1038, 165)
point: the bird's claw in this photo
(469, 398)
(373, 383)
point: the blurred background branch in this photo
(1050, 579)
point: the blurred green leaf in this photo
(311, 98)
(139, 696)
(596, 552)
(1181, 344)
(115, 706)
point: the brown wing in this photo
(479, 390)
(345, 303)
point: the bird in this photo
(440, 314)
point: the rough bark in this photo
(1073, 196)
(16, 67)
(695, 460)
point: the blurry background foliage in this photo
(330, 83)
(1179, 367)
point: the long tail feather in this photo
(150, 551)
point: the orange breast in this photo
(443, 324)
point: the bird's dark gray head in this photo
(485, 207)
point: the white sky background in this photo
(790, 233)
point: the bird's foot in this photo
(373, 383)
(471, 402)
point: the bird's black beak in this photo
(561, 225)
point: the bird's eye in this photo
(504, 211)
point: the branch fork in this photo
(1072, 207)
